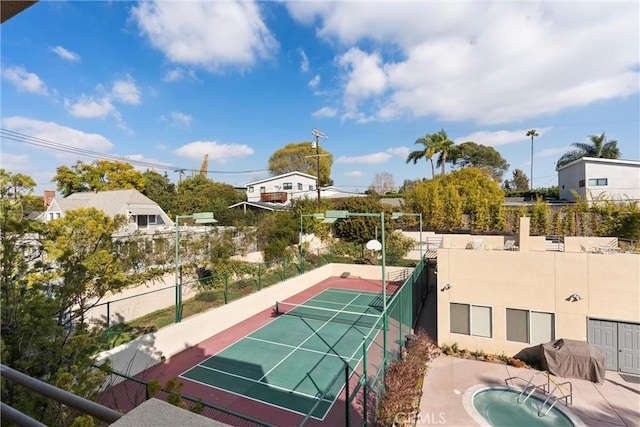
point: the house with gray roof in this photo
(142, 213)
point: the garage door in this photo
(619, 342)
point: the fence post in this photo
(364, 377)
(108, 324)
(347, 415)
(284, 268)
(259, 277)
(226, 287)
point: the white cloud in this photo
(325, 112)
(178, 119)
(490, 62)
(353, 173)
(177, 74)
(501, 137)
(314, 82)
(304, 61)
(126, 91)
(375, 158)
(552, 152)
(220, 153)
(65, 54)
(89, 107)
(212, 35)
(50, 131)
(14, 161)
(25, 81)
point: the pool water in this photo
(499, 407)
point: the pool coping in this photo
(470, 393)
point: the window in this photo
(287, 186)
(153, 219)
(471, 320)
(311, 188)
(531, 327)
(263, 189)
(299, 186)
(597, 182)
(250, 189)
(581, 183)
(143, 221)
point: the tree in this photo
(382, 183)
(300, 157)
(599, 148)
(360, 229)
(37, 287)
(160, 189)
(471, 154)
(519, 181)
(101, 175)
(427, 152)
(445, 147)
(532, 133)
(201, 194)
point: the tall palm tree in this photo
(444, 146)
(599, 148)
(427, 152)
(532, 133)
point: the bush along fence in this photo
(126, 318)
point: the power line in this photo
(56, 146)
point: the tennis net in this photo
(329, 315)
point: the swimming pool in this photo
(497, 406)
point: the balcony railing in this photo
(274, 197)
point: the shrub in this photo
(403, 380)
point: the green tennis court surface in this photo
(292, 361)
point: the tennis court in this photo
(297, 361)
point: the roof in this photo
(284, 175)
(112, 203)
(262, 205)
(620, 162)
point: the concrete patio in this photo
(616, 402)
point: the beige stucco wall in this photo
(542, 281)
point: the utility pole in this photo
(316, 144)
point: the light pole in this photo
(396, 215)
(333, 216)
(315, 216)
(316, 144)
(201, 218)
(532, 133)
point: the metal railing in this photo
(78, 403)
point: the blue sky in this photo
(163, 83)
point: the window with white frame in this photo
(597, 182)
(250, 189)
(287, 186)
(263, 189)
(143, 221)
(531, 327)
(299, 186)
(153, 219)
(468, 319)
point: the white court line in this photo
(292, 346)
(308, 338)
(260, 382)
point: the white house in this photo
(281, 188)
(141, 212)
(594, 178)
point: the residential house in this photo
(141, 212)
(281, 188)
(593, 178)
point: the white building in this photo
(281, 188)
(141, 212)
(593, 178)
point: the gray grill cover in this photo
(573, 359)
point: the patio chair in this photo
(477, 244)
(510, 245)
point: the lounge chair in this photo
(510, 245)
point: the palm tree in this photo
(599, 148)
(532, 133)
(444, 146)
(427, 152)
